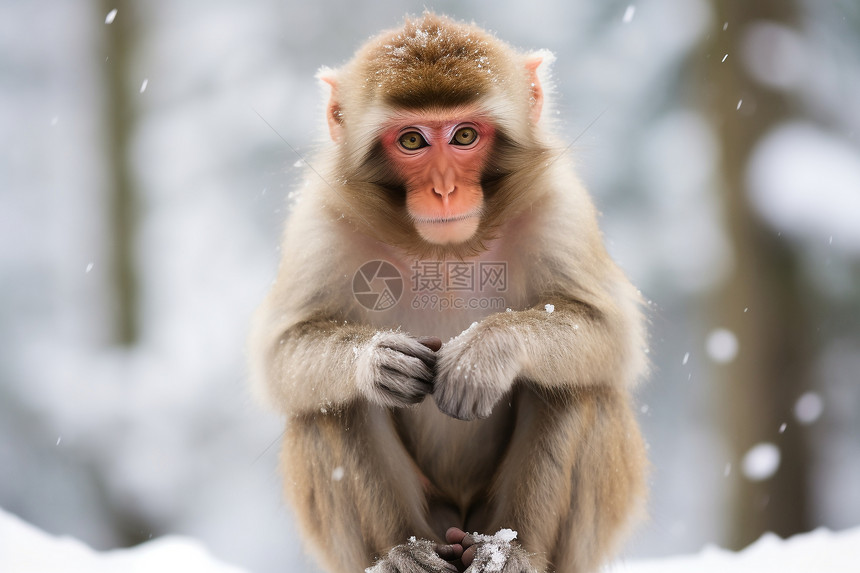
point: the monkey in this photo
(451, 345)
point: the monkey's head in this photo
(432, 124)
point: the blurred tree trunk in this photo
(763, 301)
(119, 120)
(121, 95)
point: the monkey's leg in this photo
(350, 483)
(573, 478)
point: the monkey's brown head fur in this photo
(435, 66)
(431, 62)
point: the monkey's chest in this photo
(458, 458)
(442, 298)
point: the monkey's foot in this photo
(418, 556)
(491, 553)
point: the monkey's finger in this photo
(455, 535)
(403, 392)
(412, 347)
(449, 552)
(408, 364)
(469, 555)
(431, 342)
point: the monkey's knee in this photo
(609, 483)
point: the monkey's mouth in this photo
(444, 220)
(448, 230)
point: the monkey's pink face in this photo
(440, 160)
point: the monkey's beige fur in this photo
(527, 424)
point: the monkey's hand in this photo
(485, 553)
(417, 556)
(394, 369)
(474, 370)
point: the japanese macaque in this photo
(441, 208)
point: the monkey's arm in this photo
(559, 343)
(320, 363)
(564, 342)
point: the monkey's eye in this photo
(412, 141)
(465, 136)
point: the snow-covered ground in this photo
(820, 551)
(24, 548)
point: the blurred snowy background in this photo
(142, 197)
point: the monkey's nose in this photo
(444, 183)
(443, 190)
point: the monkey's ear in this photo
(333, 112)
(536, 94)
